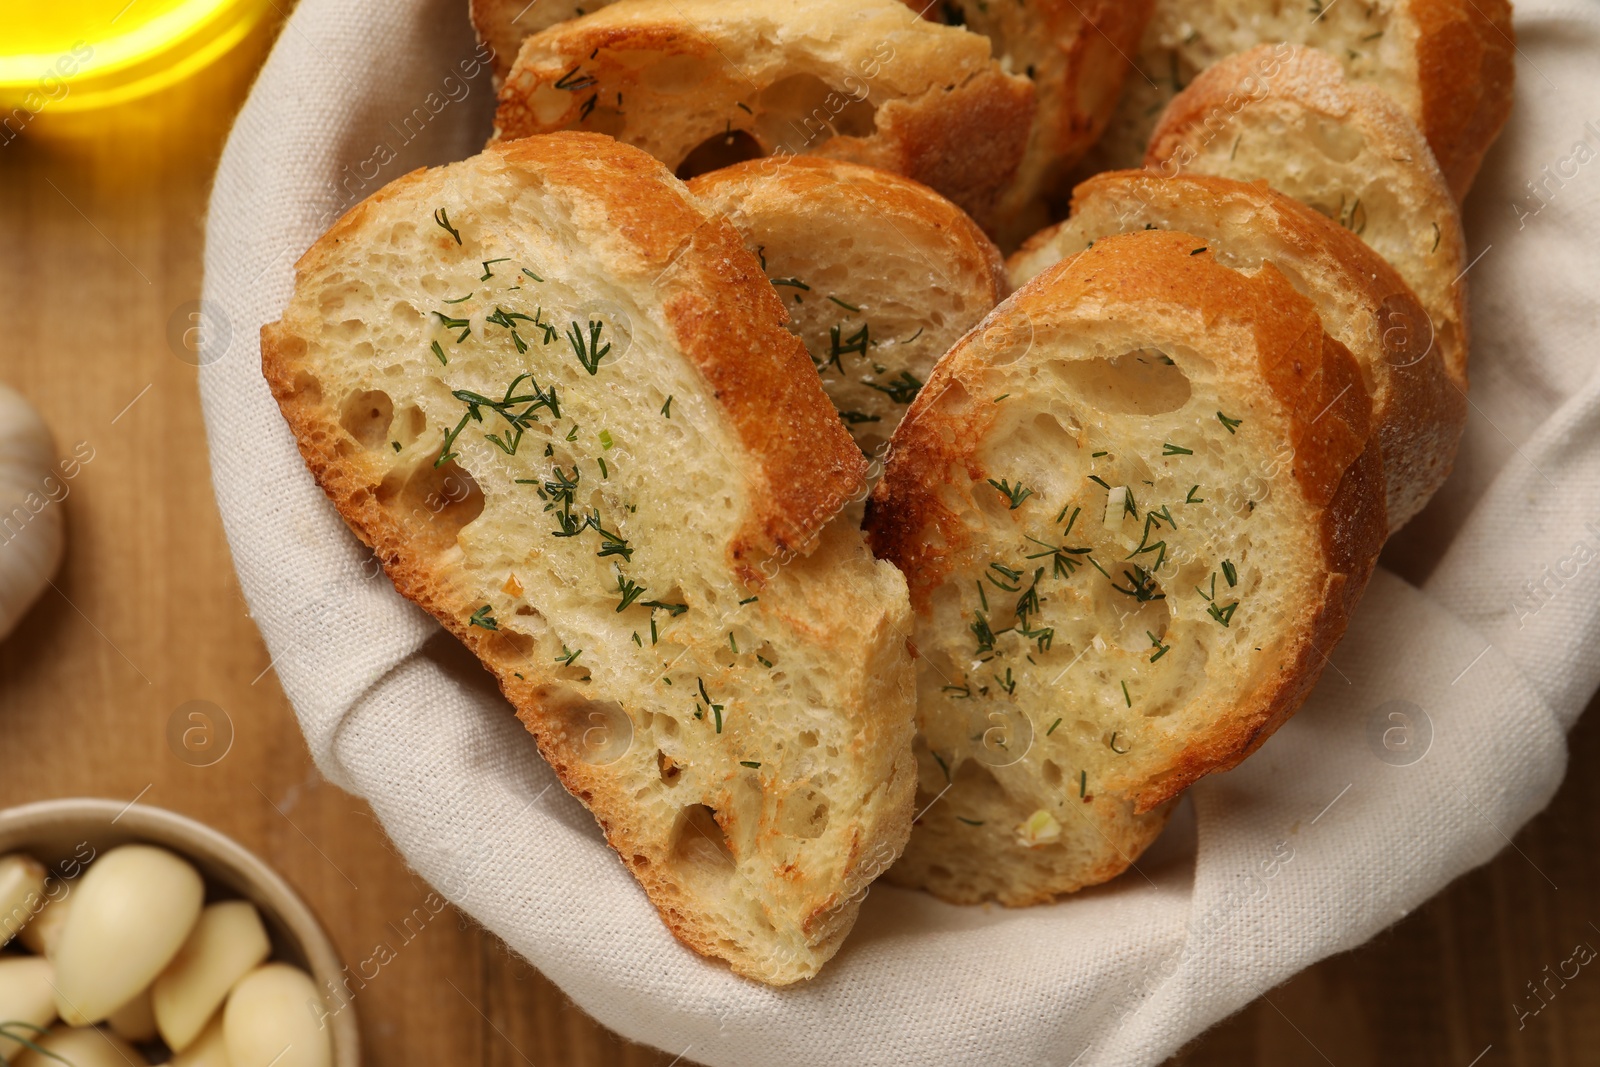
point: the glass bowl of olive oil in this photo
(73, 56)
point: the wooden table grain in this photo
(100, 243)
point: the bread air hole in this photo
(698, 843)
(803, 815)
(1339, 141)
(1050, 773)
(799, 113)
(507, 646)
(722, 150)
(599, 732)
(434, 503)
(1144, 381)
(366, 416)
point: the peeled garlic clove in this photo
(21, 892)
(225, 945)
(31, 492)
(210, 1049)
(43, 931)
(275, 1018)
(81, 1047)
(25, 997)
(134, 1021)
(130, 914)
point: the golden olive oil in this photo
(62, 56)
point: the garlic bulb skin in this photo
(133, 909)
(32, 521)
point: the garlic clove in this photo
(31, 491)
(25, 997)
(273, 1020)
(226, 944)
(82, 1047)
(43, 931)
(131, 912)
(21, 893)
(135, 1020)
(210, 1049)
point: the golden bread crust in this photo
(726, 321)
(1448, 64)
(1391, 161)
(1078, 55)
(1314, 386)
(880, 273)
(1466, 74)
(866, 82)
(504, 24)
(787, 184)
(1419, 411)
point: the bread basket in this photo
(1314, 845)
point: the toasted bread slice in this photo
(1343, 149)
(1418, 410)
(504, 24)
(701, 84)
(1448, 64)
(556, 396)
(1135, 507)
(881, 275)
(1078, 53)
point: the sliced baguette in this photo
(1120, 640)
(1077, 54)
(1418, 411)
(504, 24)
(703, 83)
(1448, 64)
(881, 275)
(717, 671)
(1343, 149)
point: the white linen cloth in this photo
(1310, 848)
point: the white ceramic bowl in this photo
(53, 831)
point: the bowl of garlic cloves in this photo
(133, 935)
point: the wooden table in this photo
(100, 243)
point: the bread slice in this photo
(504, 24)
(881, 275)
(1343, 149)
(701, 84)
(1078, 54)
(1418, 411)
(1448, 64)
(555, 394)
(1135, 507)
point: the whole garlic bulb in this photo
(31, 517)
